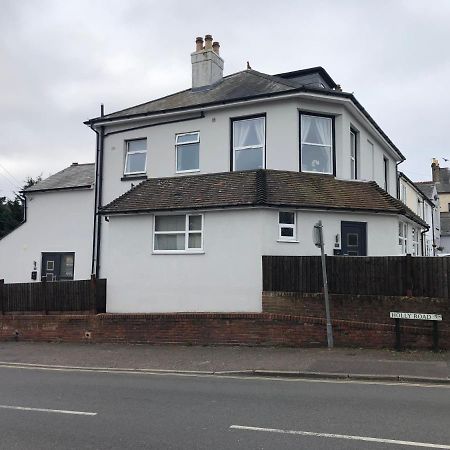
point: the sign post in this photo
(318, 242)
(436, 318)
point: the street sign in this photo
(415, 316)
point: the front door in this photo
(354, 238)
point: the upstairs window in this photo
(249, 136)
(187, 152)
(136, 157)
(287, 226)
(353, 156)
(178, 233)
(403, 192)
(385, 174)
(316, 144)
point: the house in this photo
(54, 242)
(420, 198)
(195, 187)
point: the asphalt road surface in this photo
(48, 409)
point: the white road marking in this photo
(341, 436)
(202, 374)
(58, 411)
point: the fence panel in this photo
(58, 296)
(377, 275)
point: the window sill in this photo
(293, 241)
(177, 252)
(188, 171)
(134, 177)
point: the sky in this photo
(59, 60)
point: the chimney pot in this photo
(216, 47)
(208, 42)
(199, 44)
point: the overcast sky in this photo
(61, 59)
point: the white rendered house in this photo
(55, 240)
(194, 188)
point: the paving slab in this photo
(231, 358)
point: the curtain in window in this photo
(249, 132)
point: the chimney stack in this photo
(207, 65)
(435, 170)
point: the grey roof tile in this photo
(72, 177)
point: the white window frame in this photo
(415, 241)
(403, 237)
(403, 192)
(181, 144)
(353, 155)
(331, 146)
(186, 233)
(386, 168)
(249, 147)
(128, 152)
(292, 226)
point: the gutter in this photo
(261, 97)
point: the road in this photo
(49, 409)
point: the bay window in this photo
(181, 233)
(316, 143)
(248, 141)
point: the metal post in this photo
(435, 336)
(2, 296)
(398, 340)
(319, 227)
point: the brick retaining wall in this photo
(205, 329)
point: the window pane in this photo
(138, 145)
(191, 137)
(136, 162)
(316, 158)
(249, 159)
(287, 232)
(170, 223)
(316, 130)
(248, 132)
(195, 240)
(169, 241)
(195, 223)
(67, 266)
(187, 157)
(286, 217)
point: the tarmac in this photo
(342, 363)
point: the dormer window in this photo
(136, 157)
(316, 143)
(249, 142)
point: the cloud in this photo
(60, 60)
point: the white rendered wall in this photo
(228, 276)
(56, 222)
(282, 143)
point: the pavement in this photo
(49, 408)
(262, 361)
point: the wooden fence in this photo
(58, 296)
(384, 275)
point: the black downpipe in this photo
(100, 200)
(94, 232)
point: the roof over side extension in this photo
(257, 188)
(76, 176)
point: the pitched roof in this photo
(427, 188)
(76, 176)
(257, 188)
(241, 86)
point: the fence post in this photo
(2, 295)
(93, 294)
(409, 275)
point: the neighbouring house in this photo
(54, 242)
(195, 187)
(419, 197)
